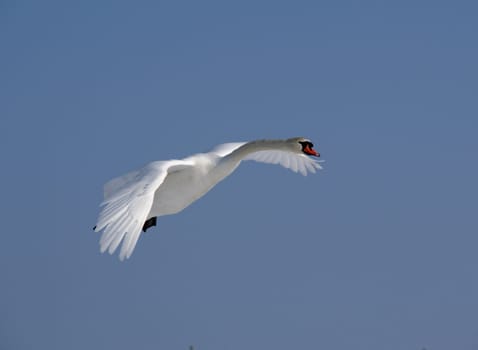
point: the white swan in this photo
(133, 201)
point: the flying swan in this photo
(132, 202)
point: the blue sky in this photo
(378, 251)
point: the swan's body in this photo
(133, 201)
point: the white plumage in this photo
(167, 187)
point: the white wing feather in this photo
(114, 185)
(128, 200)
(294, 161)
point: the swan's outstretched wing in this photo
(128, 200)
(295, 161)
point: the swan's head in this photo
(303, 145)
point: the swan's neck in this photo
(256, 146)
(230, 162)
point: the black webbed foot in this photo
(149, 223)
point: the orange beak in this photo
(311, 152)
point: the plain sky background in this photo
(377, 251)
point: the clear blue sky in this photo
(378, 251)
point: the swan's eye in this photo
(304, 144)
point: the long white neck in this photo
(256, 146)
(230, 162)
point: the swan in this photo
(132, 202)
